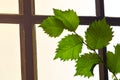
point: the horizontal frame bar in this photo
(37, 19)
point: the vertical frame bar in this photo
(100, 8)
(28, 41)
(103, 72)
(102, 68)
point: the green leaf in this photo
(98, 34)
(113, 60)
(69, 47)
(52, 26)
(86, 64)
(69, 19)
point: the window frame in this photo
(27, 19)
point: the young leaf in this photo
(69, 18)
(69, 47)
(113, 60)
(52, 26)
(98, 34)
(86, 64)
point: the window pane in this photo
(82, 7)
(9, 6)
(49, 69)
(9, 52)
(112, 8)
(115, 40)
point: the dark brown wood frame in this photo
(27, 18)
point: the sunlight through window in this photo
(10, 68)
(82, 7)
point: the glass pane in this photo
(49, 69)
(9, 6)
(82, 7)
(115, 40)
(9, 52)
(112, 8)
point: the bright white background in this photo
(48, 69)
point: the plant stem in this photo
(115, 76)
(86, 44)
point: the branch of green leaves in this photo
(97, 36)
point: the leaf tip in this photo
(55, 58)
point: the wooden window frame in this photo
(27, 19)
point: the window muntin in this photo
(10, 52)
(9, 7)
(82, 7)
